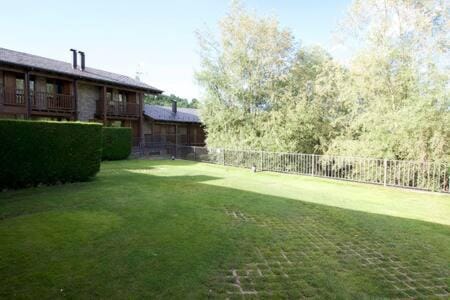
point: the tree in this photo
(244, 68)
(398, 80)
(242, 73)
(166, 100)
(262, 91)
(392, 100)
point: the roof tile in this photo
(164, 113)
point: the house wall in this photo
(88, 95)
(161, 132)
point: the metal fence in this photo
(421, 175)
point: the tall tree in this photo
(241, 73)
(398, 80)
(244, 67)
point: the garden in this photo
(183, 229)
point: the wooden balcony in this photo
(117, 109)
(14, 101)
(52, 102)
(12, 97)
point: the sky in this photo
(155, 38)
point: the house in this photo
(34, 87)
(168, 126)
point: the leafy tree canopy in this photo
(166, 100)
(264, 91)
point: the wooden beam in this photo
(52, 114)
(13, 109)
(21, 71)
(188, 132)
(27, 95)
(2, 92)
(117, 87)
(75, 97)
(104, 105)
(140, 98)
(46, 75)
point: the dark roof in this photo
(47, 64)
(164, 113)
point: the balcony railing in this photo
(12, 97)
(52, 102)
(119, 109)
(40, 101)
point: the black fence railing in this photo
(420, 175)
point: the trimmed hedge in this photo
(35, 152)
(116, 143)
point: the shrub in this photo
(116, 143)
(34, 152)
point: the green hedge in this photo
(35, 152)
(116, 143)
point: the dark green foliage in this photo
(35, 152)
(165, 100)
(116, 143)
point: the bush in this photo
(35, 152)
(116, 143)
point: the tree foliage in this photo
(166, 100)
(263, 91)
(399, 79)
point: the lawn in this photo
(178, 229)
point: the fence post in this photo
(223, 156)
(313, 163)
(385, 172)
(195, 155)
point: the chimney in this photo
(83, 61)
(74, 62)
(174, 107)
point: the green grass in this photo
(177, 229)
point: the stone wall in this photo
(88, 95)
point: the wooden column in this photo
(140, 98)
(188, 132)
(2, 90)
(105, 107)
(75, 99)
(27, 95)
(176, 139)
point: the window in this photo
(50, 88)
(59, 88)
(122, 97)
(20, 85)
(31, 86)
